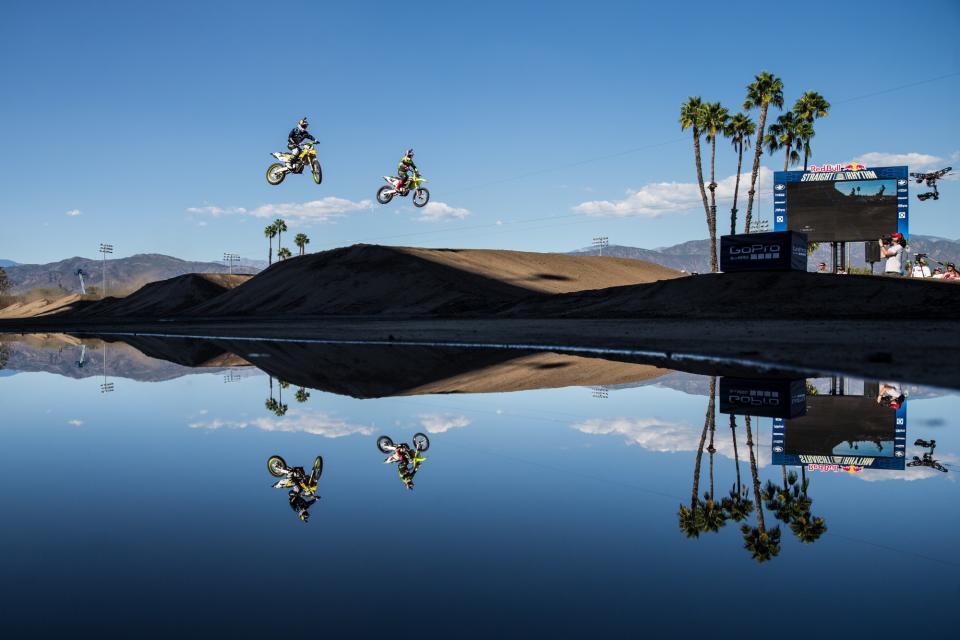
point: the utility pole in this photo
(600, 242)
(104, 250)
(230, 258)
(106, 387)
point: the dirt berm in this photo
(166, 297)
(402, 281)
(758, 296)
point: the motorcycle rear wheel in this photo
(317, 171)
(383, 442)
(317, 469)
(277, 466)
(421, 197)
(383, 195)
(275, 173)
(421, 442)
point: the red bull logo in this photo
(854, 166)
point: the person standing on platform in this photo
(893, 254)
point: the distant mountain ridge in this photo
(124, 275)
(7, 263)
(694, 256)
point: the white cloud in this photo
(216, 211)
(660, 198)
(913, 159)
(75, 423)
(73, 213)
(442, 422)
(320, 424)
(912, 473)
(322, 210)
(654, 434)
(441, 211)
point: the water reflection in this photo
(302, 492)
(407, 458)
(928, 459)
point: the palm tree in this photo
(283, 253)
(691, 117)
(301, 240)
(783, 135)
(809, 107)
(270, 232)
(280, 226)
(302, 395)
(762, 543)
(738, 506)
(738, 129)
(715, 118)
(803, 132)
(766, 89)
(690, 521)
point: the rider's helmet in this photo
(303, 124)
(409, 153)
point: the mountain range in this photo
(694, 256)
(7, 263)
(124, 275)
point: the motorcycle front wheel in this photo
(275, 173)
(317, 171)
(421, 198)
(383, 442)
(277, 466)
(421, 442)
(384, 196)
(317, 469)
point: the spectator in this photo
(920, 269)
(822, 267)
(894, 255)
(891, 395)
(938, 273)
(951, 273)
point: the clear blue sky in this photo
(129, 115)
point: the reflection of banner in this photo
(769, 398)
(785, 454)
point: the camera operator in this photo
(920, 268)
(893, 252)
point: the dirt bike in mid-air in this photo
(277, 171)
(407, 458)
(303, 487)
(420, 194)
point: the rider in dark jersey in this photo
(297, 135)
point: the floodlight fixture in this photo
(600, 242)
(231, 258)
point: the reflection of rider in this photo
(297, 135)
(407, 464)
(404, 166)
(299, 504)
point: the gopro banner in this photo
(774, 251)
(768, 398)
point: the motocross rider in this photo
(407, 465)
(300, 505)
(297, 135)
(405, 165)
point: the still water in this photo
(136, 496)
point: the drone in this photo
(931, 179)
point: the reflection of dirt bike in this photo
(420, 194)
(277, 171)
(927, 460)
(408, 460)
(295, 477)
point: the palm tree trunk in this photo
(713, 204)
(758, 151)
(756, 479)
(806, 154)
(711, 449)
(703, 193)
(736, 189)
(736, 455)
(703, 439)
(786, 159)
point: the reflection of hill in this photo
(834, 420)
(59, 354)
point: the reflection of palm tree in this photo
(302, 394)
(690, 521)
(737, 506)
(762, 543)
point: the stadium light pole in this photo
(230, 258)
(104, 250)
(106, 387)
(600, 242)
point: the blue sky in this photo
(538, 126)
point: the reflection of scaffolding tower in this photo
(601, 391)
(83, 354)
(232, 376)
(106, 387)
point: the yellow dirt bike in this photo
(277, 171)
(420, 194)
